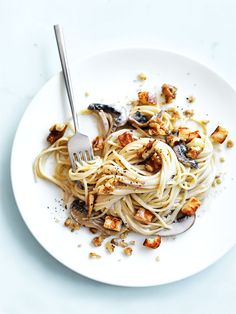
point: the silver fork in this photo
(79, 146)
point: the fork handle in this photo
(66, 72)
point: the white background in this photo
(31, 281)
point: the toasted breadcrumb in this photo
(93, 230)
(189, 113)
(190, 99)
(56, 132)
(169, 92)
(71, 224)
(218, 180)
(124, 235)
(110, 247)
(123, 244)
(115, 241)
(229, 144)
(97, 241)
(222, 159)
(128, 251)
(141, 77)
(132, 242)
(94, 255)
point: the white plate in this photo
(110, 77)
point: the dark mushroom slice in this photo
(143, 121)
(178, 227)
(180, 150)
(79, 212)
(112, 116)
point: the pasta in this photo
(145, 172)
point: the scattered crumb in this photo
(188, 113)
(110, 247)
(94, 255)
(97, 241)
(56, 220)
(141, 77)
(128, 251)
(123, 244)
(229, 144)
(213, 184)
(119, 260)
(79, 245)
(132, 242)
(115, 241)
(124, 235)
(222, 159)
(93, 230)
(190, 99)
(86, 94)
(157, 259)
(218, 181)
(71, 224)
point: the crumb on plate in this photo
(94, 255)
(141, 77)
(229, 144)
(128, 251)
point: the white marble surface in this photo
(31, 280)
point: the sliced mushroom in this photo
(180, 150)
(79, 212)
(178, 227)
(112, 116)
(143, 121)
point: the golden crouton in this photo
(152, 243)
(143, 215)
(125, 138)
(219, 135)
(143, 98)
(112, 223)
(191, 206)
